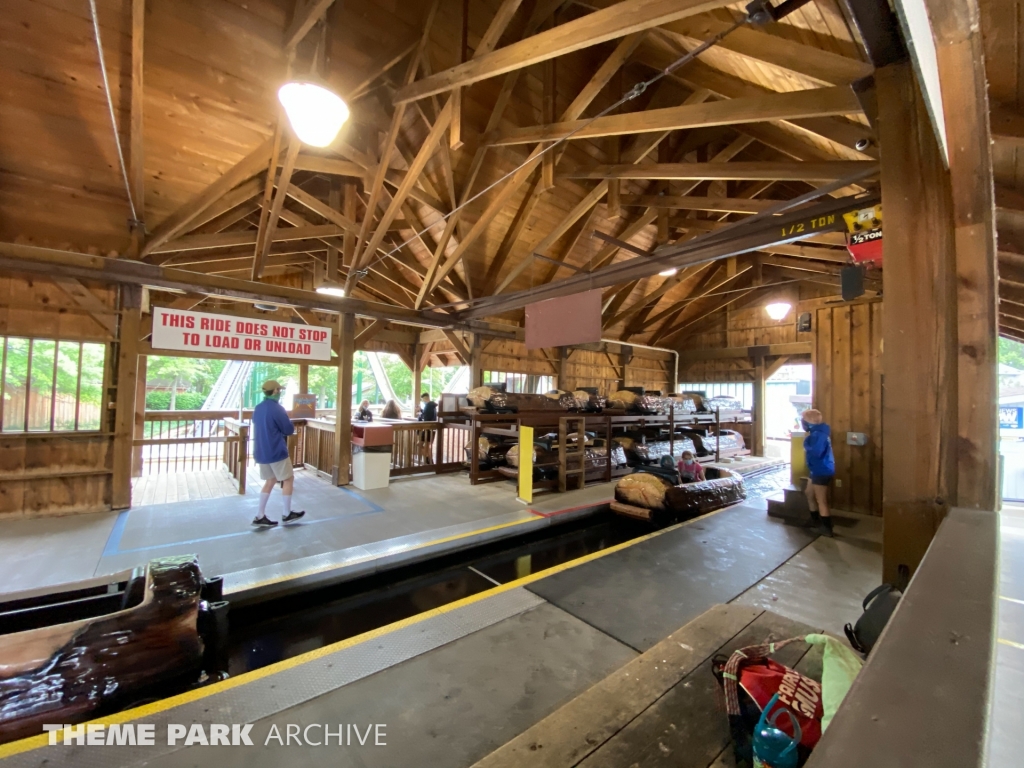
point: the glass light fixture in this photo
(330, 288)
(315, 113)
(668, 272)
(778, 310)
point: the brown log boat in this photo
(76, 651)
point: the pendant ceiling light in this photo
(778, 310)
(315, 113)
(331, 288)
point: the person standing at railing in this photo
(427, 413)
(271, 428)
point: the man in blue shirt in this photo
(821, 465)
(271, 427)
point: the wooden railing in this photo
(428, 446)
(318, 447)
(236, 450)
(181, 441)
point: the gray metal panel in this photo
(267, 696)
(922, 698)
(641, 594)
(447, 708)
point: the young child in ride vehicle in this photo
(690, 470)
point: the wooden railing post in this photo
(439, 453)
(243, 456)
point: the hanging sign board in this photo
(189, 331)
(864, 239)
(564, 321)
(1011, 417)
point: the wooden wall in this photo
(848, 391)
(44, 473)
(584, 368)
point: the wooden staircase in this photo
(791, 504)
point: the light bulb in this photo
(778, 310)
(668, 272)
(331, 289)
(316, 115)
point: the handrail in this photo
(922, 698)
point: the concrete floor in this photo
(341, 526)
(455, 683)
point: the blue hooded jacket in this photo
(818, 447)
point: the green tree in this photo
(181, 372)
(1011, 353)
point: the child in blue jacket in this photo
(822, 466)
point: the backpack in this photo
(750, 679)
(878, 607)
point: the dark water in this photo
(270, 632)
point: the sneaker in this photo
(825, 528)
(291, 517)
(264, 522)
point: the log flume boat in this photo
(76, 651)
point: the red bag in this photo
(750, 679)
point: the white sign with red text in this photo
(190, 331)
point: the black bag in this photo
(878, 607)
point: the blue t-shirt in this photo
(818, 447)
(271, 427)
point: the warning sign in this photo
(190, 331)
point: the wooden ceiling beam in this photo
(322, 209)
(740, 171)
(611, 23)
(243, 193)
(807, 60)
(263, 246)
(248, 237)
(698, 203)
(426, 150)
(136, 145)
(329, 166)
(390, 142)
(307, 14)
(817, 102)
(586, 95)
(242, 171)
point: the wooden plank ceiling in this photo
(1003, 33)
(447, 97)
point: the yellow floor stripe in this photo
(1011, 599)
(139, 713)
(1011, 643)
(435, 542)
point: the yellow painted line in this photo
(1011, 643)
(1011, 599)
(435, 542)
(147, 710)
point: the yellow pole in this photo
(526, 465)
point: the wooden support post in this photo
(334, 201)
(349, 240)
(547, 174)
(757, 428)
(343, 407)
(124, 409)
(919, 326)
(417, 375)
(625, 358)
(563, 368)
(140, 416)
(303, 378)
(476, 374)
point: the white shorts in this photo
(279, 470)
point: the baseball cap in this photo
(270, 385)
